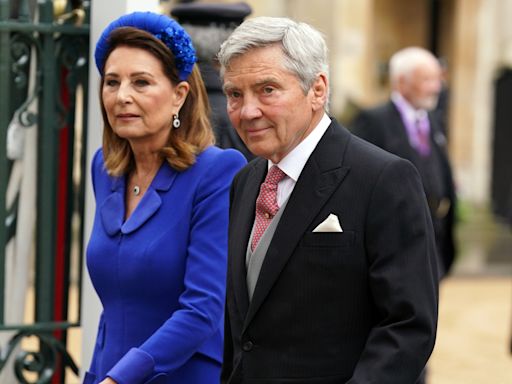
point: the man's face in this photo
(421, 88)
(267, 105)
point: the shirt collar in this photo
(406, 109)
(293, 163)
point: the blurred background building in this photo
(474, 40)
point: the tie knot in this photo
(274, 175)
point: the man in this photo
(406, 127)
(332, 274)
(209, 24)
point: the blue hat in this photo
(162, 27)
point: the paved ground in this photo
(474, 329)
(475, 314)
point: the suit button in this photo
(247, 346)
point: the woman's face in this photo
(139, 98)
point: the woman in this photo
(157, 252)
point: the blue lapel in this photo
(112, 210)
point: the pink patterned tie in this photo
(266, 203)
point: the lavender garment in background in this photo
(416, 123)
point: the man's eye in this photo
(268, 90)
(234, 94)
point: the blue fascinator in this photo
(163, 28)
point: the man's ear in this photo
(319, 91)
(181, 91)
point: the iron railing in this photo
(44, 48)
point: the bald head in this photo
(416, 74)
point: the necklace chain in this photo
(137, 187)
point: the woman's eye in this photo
(141, 83)
(111, 82)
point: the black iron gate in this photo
(44, 49)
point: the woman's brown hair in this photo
(185, 142)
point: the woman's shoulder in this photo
(100, 176)
(215, 155)
(216, 166)
(97, 164)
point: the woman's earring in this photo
(176, 121)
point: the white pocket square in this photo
(331, 224)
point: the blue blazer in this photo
(160, 274)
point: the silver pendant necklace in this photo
(136, 190)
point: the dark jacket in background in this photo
(225, 134)
(383, 126)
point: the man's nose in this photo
(250, 109)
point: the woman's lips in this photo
(127, 116)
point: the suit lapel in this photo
(243, 216)
(112, 210)
(321, 175)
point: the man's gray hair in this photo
(405, 61)
(303, 46)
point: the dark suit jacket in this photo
(352, 307)
(383, 126)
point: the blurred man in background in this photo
(209, 24)
(406, 126)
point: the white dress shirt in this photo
(293, 163)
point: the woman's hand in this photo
(108, 380)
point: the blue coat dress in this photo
(161, 274)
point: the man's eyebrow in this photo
(228, 87)
(259, 83)
(266, 80)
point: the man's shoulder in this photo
(362, 150)
(353, 151)
(381, 110)
(254, 165)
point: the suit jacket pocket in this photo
(328, 239)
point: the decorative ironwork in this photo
(22, 45)
(42, 363)
(55, 35)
